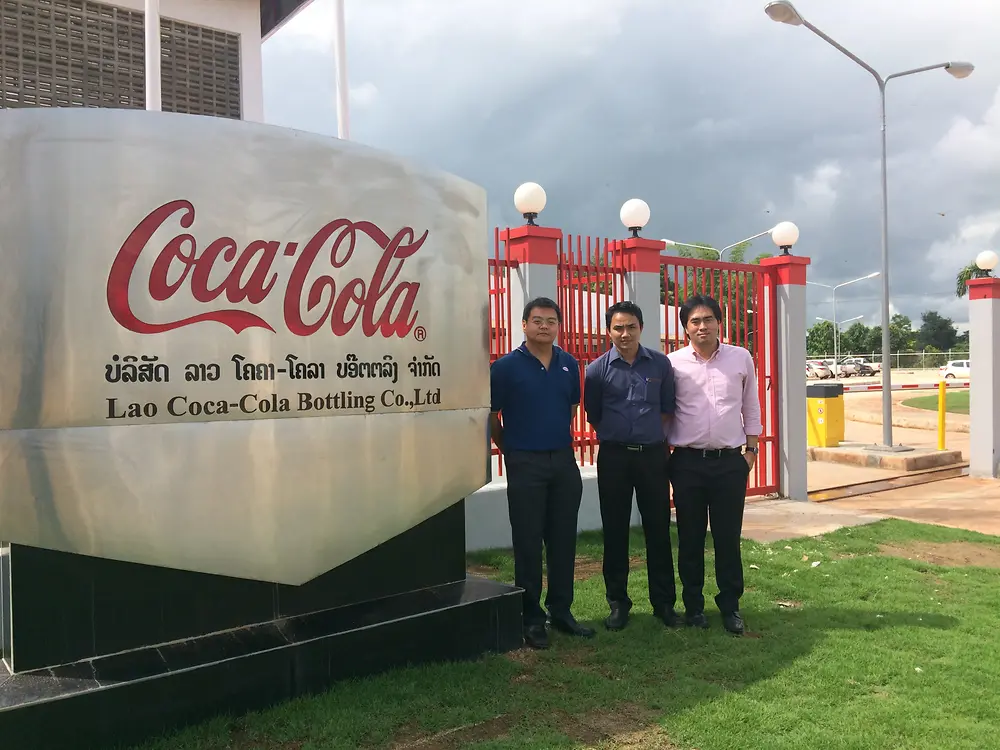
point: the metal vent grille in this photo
(76, 53)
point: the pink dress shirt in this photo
(717, 402)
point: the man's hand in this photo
(750, 458)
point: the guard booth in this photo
(825, 415)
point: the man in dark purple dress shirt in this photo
(628, 397)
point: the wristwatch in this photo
(748, 449)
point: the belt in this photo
(711, 452)
(638, 447)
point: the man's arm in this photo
(497, 394)
(593, 391)
(668, 393)
(752, 426)
(574, 394)
(496, 430)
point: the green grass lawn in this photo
(956, 402)
(863, 650)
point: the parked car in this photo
(818, 370)
(844, 370)
(865, 366)
(956, 368)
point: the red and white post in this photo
(640, 259)
(536, 250)
(984, 383)
(790, 298)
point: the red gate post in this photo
(984, 389)
(788, 275)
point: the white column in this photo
(984, 380)
(790, 300)
(151, 24)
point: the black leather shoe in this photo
(669, 616)
(568, 625)
(733, 622)
(536, 637)
(618, 618)
(697, 620)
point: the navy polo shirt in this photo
(624, 402)
(535, 403)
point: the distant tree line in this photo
(935, 334)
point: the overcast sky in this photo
(722, 120)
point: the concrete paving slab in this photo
(773, 520)
(962, 503)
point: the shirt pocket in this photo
(647, 390)
(729, 388)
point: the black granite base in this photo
(132, 696)
(67, 607)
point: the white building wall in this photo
(234, 16)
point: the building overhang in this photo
(276, 13)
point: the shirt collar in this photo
(715, 355)
(643, 352)
(523, 348)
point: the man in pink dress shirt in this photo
(714, 434)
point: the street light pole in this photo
(836, 333)
(783, 11)
(340, 56)
(671, 243)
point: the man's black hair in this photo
(543, 303)
(699, 300)
(627, 307)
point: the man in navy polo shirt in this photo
(535, 394)
(628, 398)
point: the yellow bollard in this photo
(942, 388)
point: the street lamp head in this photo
(873, 274)
(960, 69)
(783, 11)
(986, 260)
(529, 200)
(784, 235)
(634, 215)
(668, 243)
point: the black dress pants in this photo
(543, 498)
(707, 487)
(622, 470)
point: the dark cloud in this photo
(723, 121)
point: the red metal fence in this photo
(588, 282)
(746, 294)
(501, 333)
(590, 279)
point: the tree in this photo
(971, 271)
(936, 331)
(902, 337)
(855, 339)
(819, 339)
(873, 340)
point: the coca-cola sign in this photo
(384, 304)
(235, 348)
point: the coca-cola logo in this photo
(181, 269)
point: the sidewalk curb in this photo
(907, 422)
